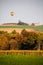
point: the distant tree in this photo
(33, 24)
(22, 23)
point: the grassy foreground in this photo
(20, 60)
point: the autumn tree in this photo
(3, 42)
(28, 39)
(25, 40)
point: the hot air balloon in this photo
(12, 13)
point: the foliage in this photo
(33, 24)
(24, 41)
(3, 42)
(21, 23)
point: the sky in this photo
(28, 11)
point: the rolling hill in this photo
(20, 27)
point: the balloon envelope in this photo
(12, 13)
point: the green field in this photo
(37, 28)
(20, 60)
(16, 26)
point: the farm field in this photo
(38, 28)
(15, 26)
(9, 30)
(20, 60)
(18, 28)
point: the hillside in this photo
(38, 28)
(20, 27)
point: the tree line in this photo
(21, 41)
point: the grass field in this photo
(16, 26)
(37, 28)
(21, 60)
(13, 58)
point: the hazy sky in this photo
(29, 11)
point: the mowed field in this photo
(9, 30)
(20, 60)
(18, 57)
(19, 28)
